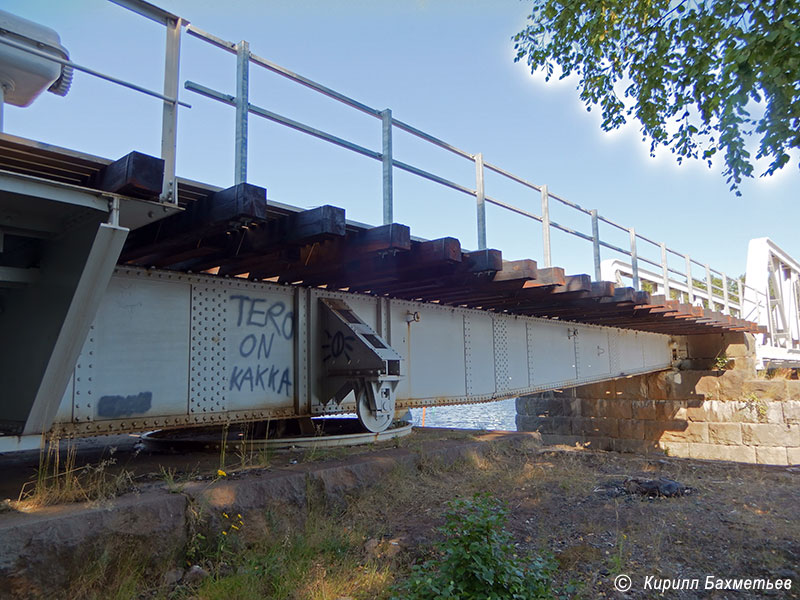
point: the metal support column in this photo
(689, 281)
(665, 270)
(480, 195)
(709, 287)
(169, 120)
(388, 216)
(546, 227)
(242, 110)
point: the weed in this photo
(174, 481)
(722, 362)
(246, 446)
(60, 480)
(477, 559)
(197, 541)
(617, 560)
(227, 543)
(754, 404)
(223, 446)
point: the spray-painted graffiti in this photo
(114, 407)
(338, 344)
(262, 332)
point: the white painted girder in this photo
(170, 349)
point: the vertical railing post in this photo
(689, 281)
(709, 285)
(169, 117)
(726, 300)
(480, 195)
(388, 184)
(242, 110)
(665, 270)
(2, 105)
(634, 259)
(546, 227)
(595, 243)
(741, 297)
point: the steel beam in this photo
(222, 350)
(45, 324)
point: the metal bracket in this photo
(357, 360)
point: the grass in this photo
(59, 480)
(740, 521)
(118, 573)
(319, 561)
(176, 481)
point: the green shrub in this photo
(477, 560)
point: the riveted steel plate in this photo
(479, 355)
(656, 350)
(517, 363)
(592, 351)
(135, 362)
(553, 350)
(631, 353)
(613, 350)
(500, 332)
(438, 332)
(260, 357)
(209, 370)
(84, 401)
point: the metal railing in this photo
(716, 294)
(169, 124)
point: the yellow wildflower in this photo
(221, 473)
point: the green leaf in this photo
(711, 60)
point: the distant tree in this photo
(700, 76)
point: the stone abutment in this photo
(711, 405)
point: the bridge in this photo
(134, 299)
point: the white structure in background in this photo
(770, 296)
(772, 299)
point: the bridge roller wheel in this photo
(375, 409)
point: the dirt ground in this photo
(737, 521)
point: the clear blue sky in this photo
(444, 66)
